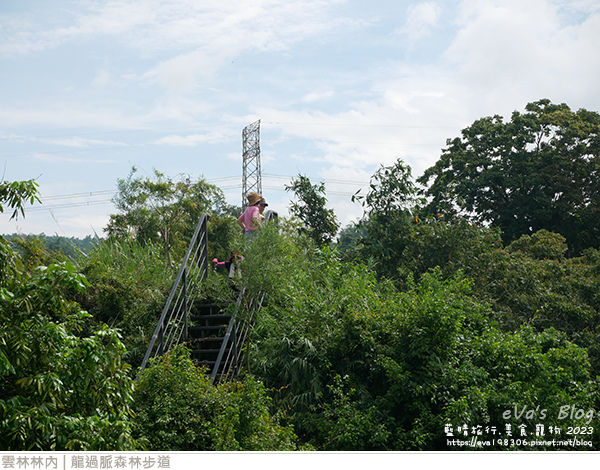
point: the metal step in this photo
(222, 316)
(208, 309)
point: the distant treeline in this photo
(70, 247)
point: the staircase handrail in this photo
(173, 320)
(228, 361)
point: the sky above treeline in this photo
(89, 89)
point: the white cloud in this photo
(500, 39)
(422, 18)
(80, 142)
(180, 74)
(318, 96)
(187, 41)
(222, 32)
(409, 115)
(504, 54)
(192, 139)
(523, 51)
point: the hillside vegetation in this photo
(466, 310)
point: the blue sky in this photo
(90, 88)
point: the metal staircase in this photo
(229, 359)
(215, 333)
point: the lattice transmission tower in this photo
(251, 176)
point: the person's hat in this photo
(254, 198)
(263, 202)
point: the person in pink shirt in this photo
(251, 219)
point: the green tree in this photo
(129, 286)
(177, 409)
(358, 365)
(348, 242)
(59, 390)
(389, 214)
(452, 246)
(320, 223)
(537, 171)
(15, 194)
(163, 209)
(531, 282)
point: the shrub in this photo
(179, 410)
(60, 389)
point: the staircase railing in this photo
(229, 359)
(172, 325)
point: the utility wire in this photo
(76, 195)
(224, 179)
(66, 206)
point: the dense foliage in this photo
(419, 327)
(318, 222)
(538, 171)
(389, 212)
(179, 410)
(128, 287)
(159, 209)
(359, 365)
(59, 390)
(34, 246)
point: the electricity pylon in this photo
(251, 176)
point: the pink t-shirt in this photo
(249, 217)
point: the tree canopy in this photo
(540, 170)
(163, 209)
(59, 389)
(320, 223)
(389, 210)
(360, 364)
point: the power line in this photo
(70, 205)
(223, 179)
(128, 131)
(325, 180)
(76, 195)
